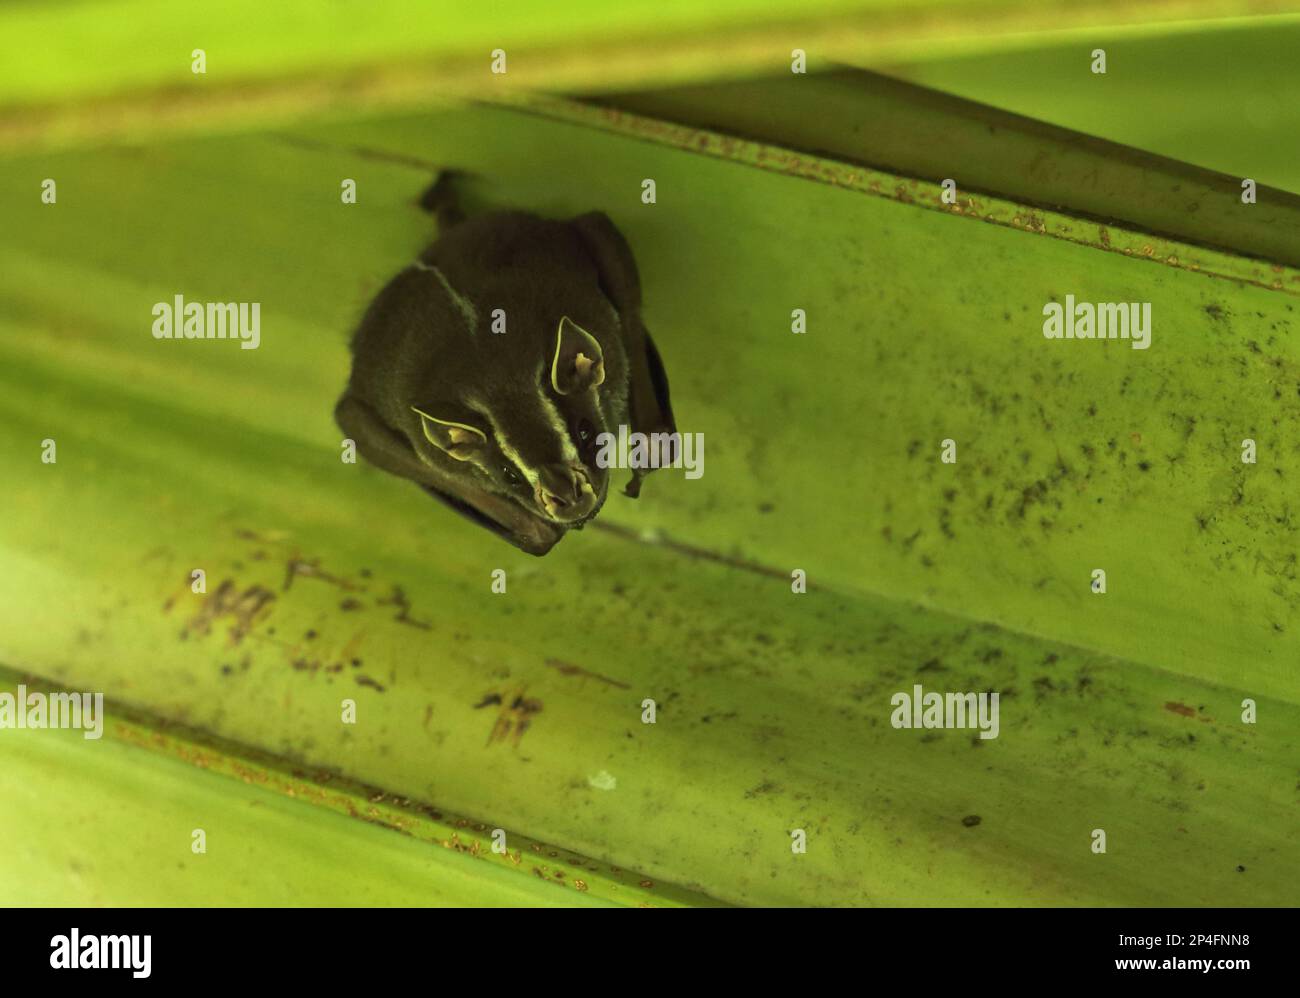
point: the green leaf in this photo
(328, 581)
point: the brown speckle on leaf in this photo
(247, 608)
(399, 600)
(296, 567)
(514, 720)
(569, 669)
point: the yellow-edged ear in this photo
(459, 440)
(579, 363)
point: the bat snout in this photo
(565, 492)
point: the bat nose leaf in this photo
(564, 492)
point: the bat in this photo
(488, 369)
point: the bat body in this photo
(486, 371)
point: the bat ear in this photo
(459, 440)
(579, 363)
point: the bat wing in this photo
(536, 539)
(650, 410)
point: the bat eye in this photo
(584, 431)
(512, 476)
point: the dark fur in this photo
(413, 348)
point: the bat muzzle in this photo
(567, 494)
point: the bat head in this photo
(528, 432)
